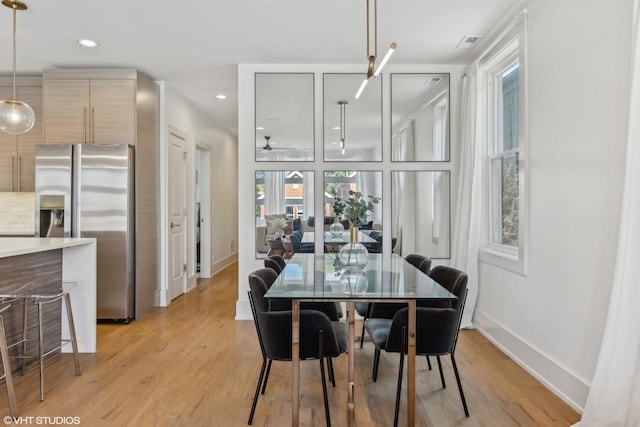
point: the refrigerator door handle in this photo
(84, 122)
(13, 172)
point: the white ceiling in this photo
(195, 46)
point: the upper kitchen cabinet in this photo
(17, 152)
(90, 106)
(114, 106)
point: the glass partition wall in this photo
(284, 117)
(284, 202)
(342, 185)
(352, 131)
(352, 127)
(420, 117)
(420, 213)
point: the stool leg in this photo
(41, 350)
(8, 375)
(72, 332)
(24, 337)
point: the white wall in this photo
(248, 166)
(178, 112)
(551, 320)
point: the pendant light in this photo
(372, 70)
(343, 122)
(16, 117)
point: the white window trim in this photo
(503, 256)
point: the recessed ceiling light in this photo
(88, 43)
(335, 128)
(259, 128)
(221, 96)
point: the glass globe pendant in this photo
(16, 117)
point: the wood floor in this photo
(192, 364)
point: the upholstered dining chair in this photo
(320, 338)
(266, 276)
(275, 262)
(436, 334)
(420, 262)
(388, 310)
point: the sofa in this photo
(265, 232)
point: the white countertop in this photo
(12, 246)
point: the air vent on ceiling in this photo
(432, 81)
(468, 42)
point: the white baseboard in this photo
(565, 384)
(243, 310)
(225, 262)
(162, 298)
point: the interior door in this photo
(177, 216)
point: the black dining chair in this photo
(388, 310)
(266, 276)
(275, 262)
(319, 339)
(436, 334)
(420, 262)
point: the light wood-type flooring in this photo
(192, 364)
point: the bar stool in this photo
(28, 296)
(6, 366)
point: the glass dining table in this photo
(385, 278)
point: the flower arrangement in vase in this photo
(336, 229)
(356, 208)
(278, 224)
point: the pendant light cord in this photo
(368, 36)
(14, 53)
(375, 29)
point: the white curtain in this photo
(614, 396)
(403, 210)
(274, 192)
(466, 221)
(397, 192)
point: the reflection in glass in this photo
(283, 198)
(361, 124)
(420, 117)
(420, 213)
(284, 117)
(337, 184)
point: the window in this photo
(501, 123)
(504, 156)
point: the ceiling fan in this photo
(268, 147)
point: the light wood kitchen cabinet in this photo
(94, 111)
(114, 106)
(17, 152)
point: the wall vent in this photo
(468, 42)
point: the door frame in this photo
(203, 169)
(183, 136)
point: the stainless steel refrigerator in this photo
(87, 190)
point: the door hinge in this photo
(184, 155)
(185, 268)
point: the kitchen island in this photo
(48, 262)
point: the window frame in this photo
(490, 125)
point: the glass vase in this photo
(354, 282)
(354, 255)
(336, 229)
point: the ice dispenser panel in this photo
(52, 216)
